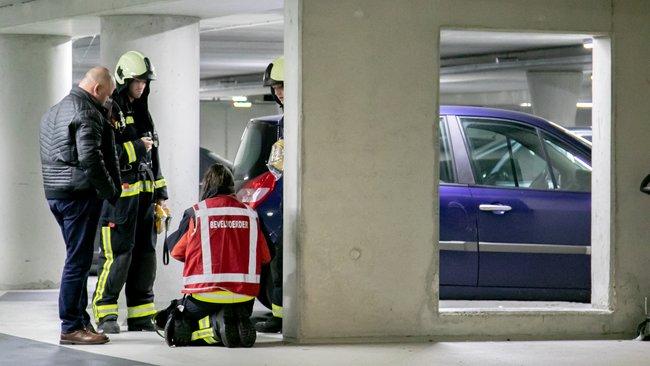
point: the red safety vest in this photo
(223, 248)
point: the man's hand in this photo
(148, 142)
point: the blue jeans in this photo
(78, 221)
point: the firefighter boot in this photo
(143, 323)
(225, 325)
(273, 325)
(108, 325)
(247, 334)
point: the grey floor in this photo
(29, 332)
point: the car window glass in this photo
(571, 172)
(254, 149)
(446, 163)
(506, 154)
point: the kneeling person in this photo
(223, 249)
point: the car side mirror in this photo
(645, 185)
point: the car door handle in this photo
(496, 209)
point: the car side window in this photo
(446, 174)
(571, 172)
(506, 154)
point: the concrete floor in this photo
(32, 316)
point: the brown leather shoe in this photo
(83, 336)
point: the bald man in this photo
(80, 169)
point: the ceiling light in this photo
(242, 104)
(584, 104)
(525, 104)
(239, 98)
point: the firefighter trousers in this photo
(276, 277)
(198, 313)
(127, 257)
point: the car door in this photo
(458, 236)
(534, 206)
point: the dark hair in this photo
(217, 180)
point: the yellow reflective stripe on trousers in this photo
(104, 310)
(141, 310)
(204, 323)
(222, 297)
(206, 335)
(276, 310)
(101, 282)
(160, 183)
(130, 151)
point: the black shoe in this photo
(108, 325)
(141, 324)
(160, 317)
(273, 325)
(247, 334)
(226, 326)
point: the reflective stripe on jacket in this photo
(223, 248)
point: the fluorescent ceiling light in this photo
(525, 105)
(584, 104)
(239, 98)
(242, 104)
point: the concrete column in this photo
(172, 45)
(36, 73)
(554, 95)
(360, 209)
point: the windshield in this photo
(254, 150)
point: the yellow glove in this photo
(162, 216)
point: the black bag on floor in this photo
(177, 331)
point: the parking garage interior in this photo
(364, 82)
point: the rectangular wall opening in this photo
(525, 205)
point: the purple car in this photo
(515, 204)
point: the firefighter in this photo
(274, 78)
(220, 241)
(128, 238)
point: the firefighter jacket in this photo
(140, 168)
(78, 156)
(223, 248)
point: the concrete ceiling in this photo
(240, 37)
(459, 43)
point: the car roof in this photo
(463, 111)
(497, 113)
(489, 113)
(274, 119)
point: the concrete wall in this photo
(373, 271)
(222, 125)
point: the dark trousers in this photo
(78, 221)
(127, 257)
(276, 277)
(196, 309)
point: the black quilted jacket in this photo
(78, 155)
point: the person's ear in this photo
(97, 88)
